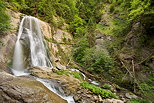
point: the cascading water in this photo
(30, 35)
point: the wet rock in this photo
(25, 90)
(60, 67)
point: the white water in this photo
(30, 35)
(95, 82)
(56, 89)
(18, 62)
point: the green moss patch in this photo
(104, 93)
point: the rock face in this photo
(25, 90)
(6, 49)
(59, 44)
(8, 39)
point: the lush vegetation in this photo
(77, 13)
(104, 93)
(93, 60)
(4, 18)
(83, 19)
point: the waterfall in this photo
(30, 33)
(30, 36)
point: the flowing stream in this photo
(30, 36)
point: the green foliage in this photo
(146, 87)
(147, 90)
(60, 22)
(107, 86)
(17, 4)
(77, 13)
(111, 8)
(79, 50)
(89, 8)
(121, 27)
(104, 93)
(138, 7)
(63, 11)
(61, 72)
(94, 60)
(77, 26)
(4, 18)
(75, 74)
(102, 62)
(138, 100)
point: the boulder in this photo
(130, 95)
(25, 90)
(69, 83)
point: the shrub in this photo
(93, 60)
(79, 32)
(79, 50)
(146, 87)
(102, 62)
(77, 26)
